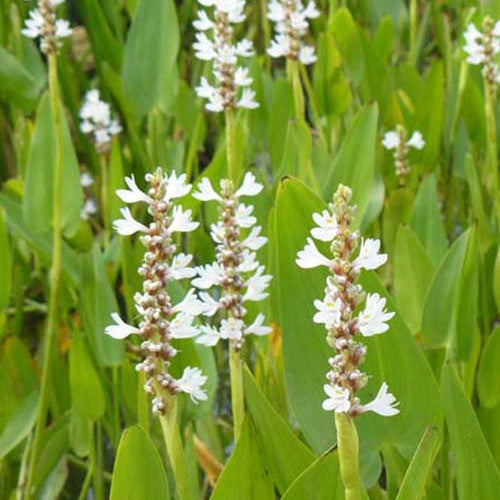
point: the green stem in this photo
(54, 278)
(231, 145)
(413, 29)
(293, 72)
(492, 150)
(98, 463)
(175, 449)
(348, 450)
(237, 398)
(104, 197)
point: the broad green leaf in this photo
(397, 211)
(79, 434)
(427, 221)
(149, 70)
(496, 280)
(413, 272)
(244, 472)
(477, 475)
(466, 304)
(488, 375)
(97, 303)
(419, 470)
(283, 454)
(438, 325)
(354, 164)
(39, 186)
(87, 395)
(16, 83)
(306, 351)
(138, 473)
(320, 480)
(19, 424)
(349, 42)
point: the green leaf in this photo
(413, 272)
(19, 424)
(354, 165)
(320, 480)
(244, 472)
(5, 263)
(149, 68)
(477, 475)
(16, 83)
(87, 394)
(39, 188)
(419, 470)
(427, 222)
(438, 320)
(488, 375)
(284, 455)
(138, 473)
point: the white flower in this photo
(210, 305)
(190, 305)
(327, 226)
(128, 225)
(242, 216)
(176, 187)
(311, 257)
(89, 208)
(247, 100)
(368, 257)
(121, 330)
(307, 55)
(338, 399)
(33, 25)
(391, 140)
(63, 28)
(372, 320)
(209, 337)
(253, 241)
(181, 221)
(256, 286)
(249, 262)
(384, 403)
(206, 192)
(181, 327)
(178, 268)
(416, 141)
(231, 328)
(241, 78)
(203, 23)
(257, 327)
(329, 311)
(191, 383)
(249, 186)
(133, 194)
(208, 276)
(86, 180)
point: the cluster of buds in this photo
(232, 81)
(97, 120)
(482, 48)
(292, 24)
(42, 23)
(90, 206)
(236, 274)
(161, 321)
(398, 141)
(343, 297)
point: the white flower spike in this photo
(342, 300)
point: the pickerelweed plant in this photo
(161, 321)
(345, 322)
(482, 49)
(236, 277)
(398, 141)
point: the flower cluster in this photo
(42, 23)
(161, 321)
(97, 120)
(292, 24)
(236, 272)
(482, 48)
(231, 89)
(89, 207)
(398, 141)
(343, 297)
